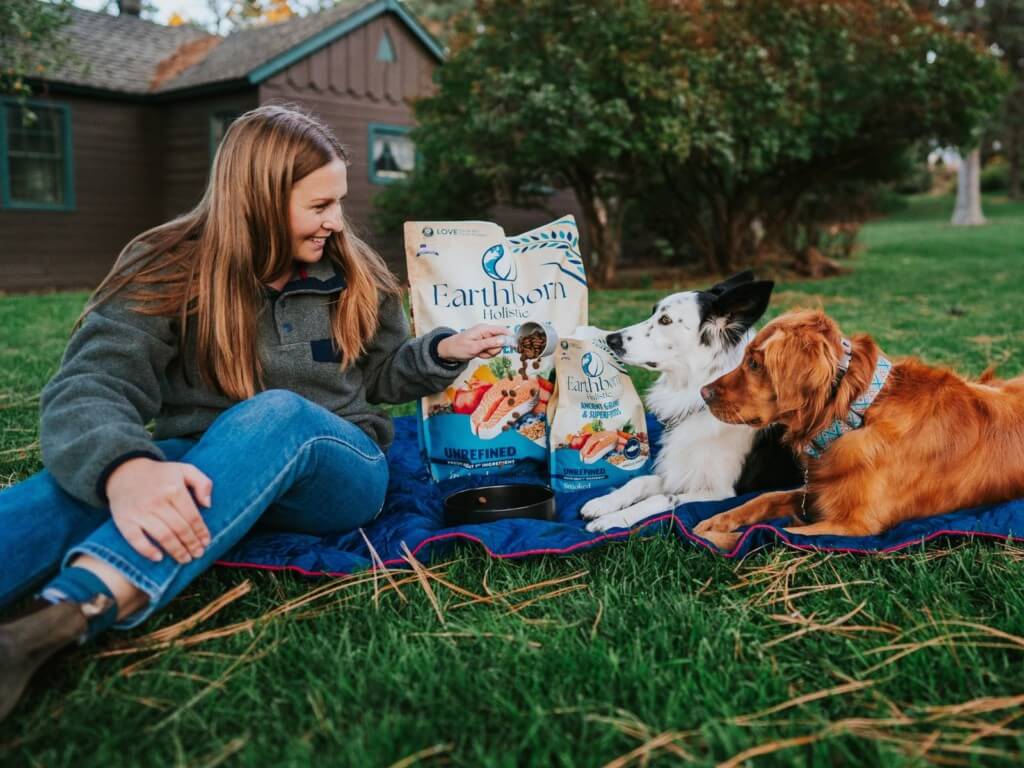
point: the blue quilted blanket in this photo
(413, 516)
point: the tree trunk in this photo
(1014, 158)
(735, 236)
(603, 219)
(968, 191)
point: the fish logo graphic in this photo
(592, 364)
(498, 264)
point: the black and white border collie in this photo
(692, 338)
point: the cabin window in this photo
(35, 156)
(219, 124)
(386, 49)
(392, 153)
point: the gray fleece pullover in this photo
(123, 369)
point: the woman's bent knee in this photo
(276, 406)
(276, 417)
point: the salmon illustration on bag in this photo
(494, 416)
(598, 426)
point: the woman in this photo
(257, 332)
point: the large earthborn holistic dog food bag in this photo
(598, 426)
(494, 417)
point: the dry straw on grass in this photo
(934, 744)
(21, 451)
(424, 580)
(223, 754)
(767, 748)
(953, 734)
(177, 630)
(478, 636)
(177, 635)
(503, 597)
(947, 734)
(838, 626)
(801, 700)
(651, 743)
(424, 754)
(377, 567)
(774, 582)
(978, 706)
(969, 634)
(10, 401)
(249, 656)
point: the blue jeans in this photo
(276, 460)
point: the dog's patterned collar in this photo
(844, 363)
(855, 416)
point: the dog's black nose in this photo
(708, 393)
(614, 341)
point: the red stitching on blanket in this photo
(683, 530)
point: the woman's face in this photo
(314, 210)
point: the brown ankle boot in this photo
(27, 642)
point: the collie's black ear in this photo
(746, 276)
(740, 307)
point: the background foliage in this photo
(727, 129)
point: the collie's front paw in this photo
(608, 521)
(602, 505)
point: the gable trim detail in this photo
(326, 37)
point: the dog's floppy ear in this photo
(746, 276)
(801, 367)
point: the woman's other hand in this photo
(479, 341)
(157, 500)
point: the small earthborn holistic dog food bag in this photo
(598, 427)
(494, 416)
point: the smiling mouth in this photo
(318, 242)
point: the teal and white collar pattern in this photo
(855, 416)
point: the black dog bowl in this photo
(498, 502)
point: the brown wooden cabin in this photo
(126, 131)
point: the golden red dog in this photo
(931, 442)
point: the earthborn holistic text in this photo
(598, 428)
(494, 416)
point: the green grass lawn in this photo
(646, 652)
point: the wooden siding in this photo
(116, 170)
(186, 146)
(134, 167)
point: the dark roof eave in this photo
(205, 89)
(158, 97)
(41, 87)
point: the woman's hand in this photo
(154, 500)
(479, 341)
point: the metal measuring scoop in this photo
(531, 327)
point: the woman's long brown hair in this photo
(210, 265)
